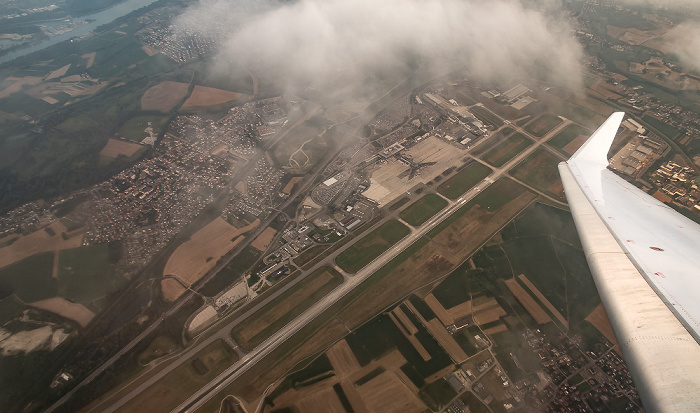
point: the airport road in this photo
(350, 283)
(240, 367)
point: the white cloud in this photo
(684, 41)
(323, 41)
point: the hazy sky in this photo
(670, 4)
(322, 42)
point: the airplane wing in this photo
(645, 260)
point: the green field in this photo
(558, 270)
(380, 335)
(270, 318)
(464, 180)
(31, 278)
(541, 219)
(566, 136)
(9, 308)
(540, 171)
(456, 288)
(492, 198)
(86, 276)
(308, 255)
(231, 272)
(371, 246)
(398, 204)
(542, 125)
(422, 210)
(302, 147)
(134, 128)
(486, 116)
(167, 393)
(524, 120)
(507, 150)
(437, 394)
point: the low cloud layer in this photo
(684, 41)
(665, 4)
(320, 42)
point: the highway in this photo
(225, 326)
(350, 283)
(237, 369)
(240, 367)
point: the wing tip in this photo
(596, 148)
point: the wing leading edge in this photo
(645, 260)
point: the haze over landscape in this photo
(324, 205)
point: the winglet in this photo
(596, 148)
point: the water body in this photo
(97, 19)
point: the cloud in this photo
(665, 4)
(684, 41)
(322, 42)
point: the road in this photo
(282, 335)
(348, 127)
(236, 370)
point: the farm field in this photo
(263, 240)
(74, 311)
(19, 247)
(599, 319)
(540, 171)
(371, 246)
(542, 125)
(163, 96)
(569, 139)
(209, 96)
(532, 307)
(31, 278)
(422, 210)
(486, 116)
(464, 180)
(117, 147)
(174, 388)
(507, 150)
(293, 302)
(140, 127)
(192, 259)
(87, 276)
(231, 272)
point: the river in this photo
(95, 20)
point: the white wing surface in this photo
(645, 259)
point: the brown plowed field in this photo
(322, 401)
(528, 302)
(74, 311)
(209, 96)
(599, 318)
(386, 394)
(543, 300)
(36, 242)
(263, 240)
(343, 360)
(444, 316)
(192, 259)
(116, 147)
